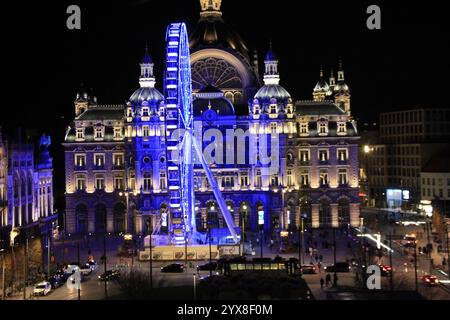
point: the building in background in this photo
(407, 141)
(115, 156)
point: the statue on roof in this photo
(45, 142)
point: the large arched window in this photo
(305, 211)
(119, 218)
(81, 214)
(212, 215)
(100, 218)
(324, 213)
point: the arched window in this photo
(212, 215)
(119, 212)
(305, 211)
(344, 212)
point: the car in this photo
(309, 269)
(210, 266)
(109, 275)
(56, 281)
(385, 270)
(42, 289)
(86, 270)
(338, 267)
(409, 240)
(173, 268)
(430, 280)
(92, 264)
(71, 268)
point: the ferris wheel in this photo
(180, 142)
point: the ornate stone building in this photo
(116, 171)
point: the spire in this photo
(341, 71)
(321, 74)
(147, 78)
(332, 79)
(271, 75)
(210, 8)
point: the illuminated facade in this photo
(26, 187)
(118, 167)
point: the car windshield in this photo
(41, 286)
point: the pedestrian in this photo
(321, 283)
(316, 257)
(319, 266)
(335, 279)
(328, 279)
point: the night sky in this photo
(403, 65)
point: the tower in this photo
(210, 8)
(342, 91)
(332, 80)
(147, 78)
(81, 101)
(271, 75)
(322, 89)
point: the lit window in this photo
(323, 155)
(99, 182)
(323, 128)
(342, 174)
(304, 155)
(117, 133)
(228, 182)
(99, 160)
(304, 178)
(289, 178)
(342, 154)
(80, 134)
(99, 132)
(145, 131)
(145, 112)
(274, 181)
(147, 182)
(118, 160)
(129, 113)
(163, 180)
(118, 183)
(289, 109)
(273, 127)
(80, 160)
(323, 177)
(273, 109)
(304, 128)
(342, 129)
(244, 179)
(258, 182)
(81, 183)
(256, 109)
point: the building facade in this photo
(407, 141)
(116, 156)
(26, 183)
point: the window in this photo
(117, 133)
(80, 134)
(258, 182)
(80, 183)
(256, 109)
(441, 193)
(273, 109)
(304, 178)
(129, 113)
(99, 132)
(323, 177)
(244, 179)
(342, 154)
(323, 128)
(342, 176)
(289, 178)
(304, 155)
(132, 181)
(145, 112)
(162, 180)
(118, 183)
(80, 160)
(147, 182)
(99, 160)
(274, 181)
(99, 182)
(273, 127)
(228, 182)
(145, 131)
(323, 155)
(118, 160)
(289, 109)
(342, 129)
(304, 128)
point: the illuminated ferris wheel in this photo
(180, 142)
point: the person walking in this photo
(327, 279)
(321, 283)
(335, 279)
(319, 267)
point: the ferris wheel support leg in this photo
(217, 194)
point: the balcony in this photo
(118, 167)
(305, 163)
(343, 162)
(324, 162)
(80, 167)
(99, 167)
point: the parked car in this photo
(71, 268)
(207, 266)
(385, 270)
(338, 267)
(173, 268)
(56, 281)
(409, 240)
(42, 289)
(309, 269)
(109, 275)
(430, 280)
(86, 270)
(92, 264)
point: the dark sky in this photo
(404, 64)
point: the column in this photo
(91, 220)
(109, 220)
(315, 215)
(156, 181)
(297, 216)
(334, 215)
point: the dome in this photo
(271, 56)
(270, 91)
(146, 94)
(212, 31)
(322, 85)
(341, 86)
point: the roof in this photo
(313, 108)
(270, 91)
(102, 113)
(271, 56)
(146, 94)
(438, 164)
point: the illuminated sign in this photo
(260, 217)
(405, 194)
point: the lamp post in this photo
(195, 287)
(127, 201)
(210, 250)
